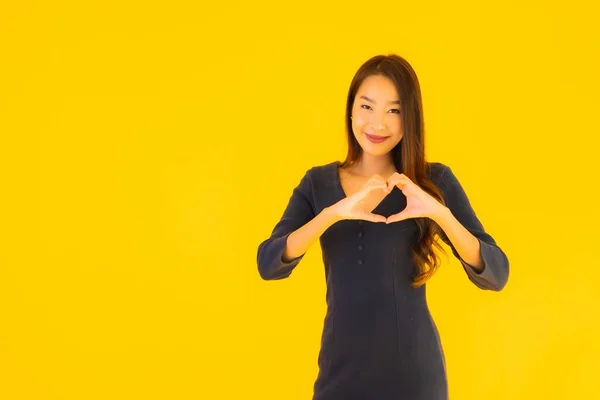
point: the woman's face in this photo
(376, 112)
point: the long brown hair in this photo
(409, 155)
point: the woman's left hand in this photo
(419, 203)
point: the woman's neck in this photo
(369, 165)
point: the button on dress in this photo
(379, 340)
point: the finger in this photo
(395, 179)
(401, 216)
(378, 184)
(373, 217)
(378, 218)
(378, 180)
(402, 183)
(375, 178)
(383, 186)
(373, 186)
(387, 187)
(391, 185)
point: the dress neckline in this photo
(342, 194)
(338, 179)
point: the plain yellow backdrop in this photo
(148, 148)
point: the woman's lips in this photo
(376, 139)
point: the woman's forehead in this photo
(378, 90)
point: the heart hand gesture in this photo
(419, 203)
(354, 207)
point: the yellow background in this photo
(148, 148)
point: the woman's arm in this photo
(464, 242)
(485, 263)
(302, 238)
(295, 232)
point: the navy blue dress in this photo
(379, 340)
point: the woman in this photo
(377, 216)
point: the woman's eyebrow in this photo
(374, 102)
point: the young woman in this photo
(377, 216)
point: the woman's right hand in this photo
(354, 207)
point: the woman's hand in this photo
(419, 203)
(353, 207)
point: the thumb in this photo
(397, 217)
(390, 186)
(373, 217)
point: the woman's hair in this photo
(409, 155)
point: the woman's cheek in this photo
(359, 120)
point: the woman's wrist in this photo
(331, 215)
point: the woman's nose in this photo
(378, 122)
(379, 126)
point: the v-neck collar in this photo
(340, 189)
(338, 179)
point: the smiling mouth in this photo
(375, 136)
(376, 139)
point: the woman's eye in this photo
(394, 109)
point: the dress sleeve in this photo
(495, 262)
(298, 212)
